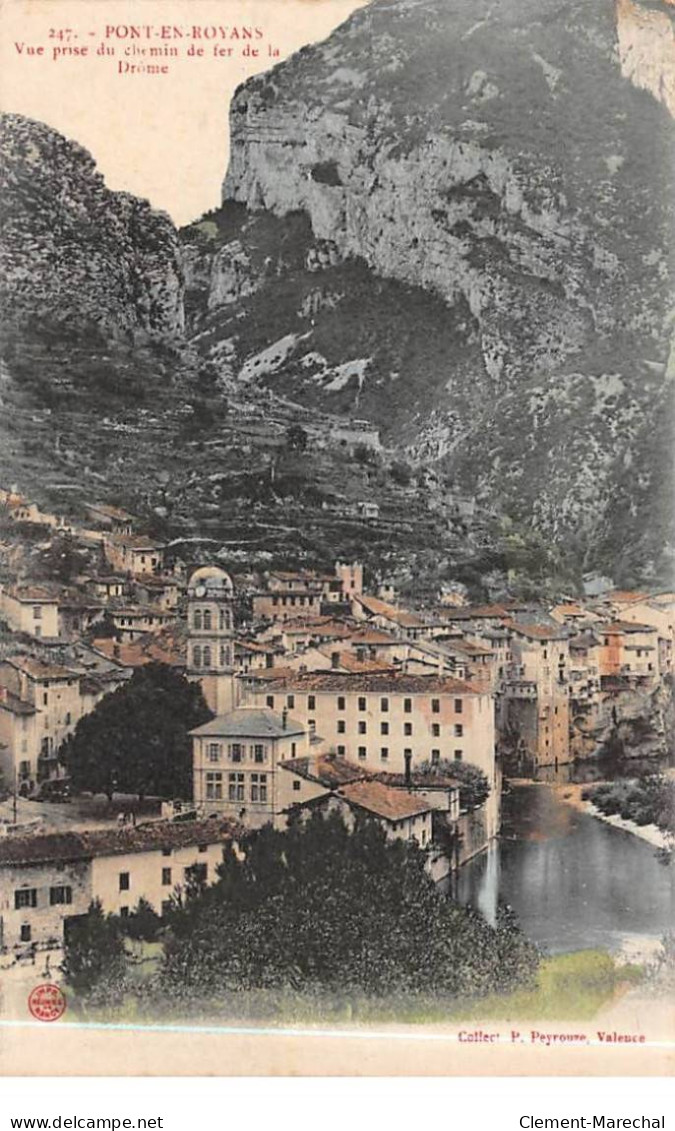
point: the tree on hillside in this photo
(62, 561)
(474, 787)
(296, 438)
(136, 739)
(320, 909)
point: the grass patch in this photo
(568, 987)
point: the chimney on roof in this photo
(284, 718)
(335, 659)
(408, 768)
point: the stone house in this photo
(47, 879)
(32, 609)
(535, 695)
(133, 554)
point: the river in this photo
(573, 880)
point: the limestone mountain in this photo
(73, 254)
(500, 157)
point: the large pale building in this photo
(236, 759)
(210, 658)
(383, 722)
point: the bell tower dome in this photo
(211, 636)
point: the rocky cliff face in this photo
(501, 157)
(75, 254)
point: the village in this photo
(327, 692)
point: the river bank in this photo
(572, 795)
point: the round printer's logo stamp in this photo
(47, 1002)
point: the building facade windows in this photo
(214, 787)
(459, 706)
(259, 787)
(124, 881)
(384, 705)
(363, 753)
(436, 706)
(166, 877)
(407, 729)
(311, 702)
(362, 703)
(407, 706)
(384, 728)
(213, 752)
(235, 787)
(236, 752)
(459, 730)
(258, 753)
(384, 753)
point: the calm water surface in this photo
(573, 881)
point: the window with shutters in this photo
(25, 897)
(60, 894)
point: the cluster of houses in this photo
(324, 697)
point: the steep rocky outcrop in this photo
(503, 157)
(74, 254)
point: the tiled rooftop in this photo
(154, 836)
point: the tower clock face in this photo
(200, 591)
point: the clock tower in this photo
(211, 637)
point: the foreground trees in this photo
(307, 919)
(319, 909)
(136, 739)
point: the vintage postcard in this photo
(336, 537)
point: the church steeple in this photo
(211, 636)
